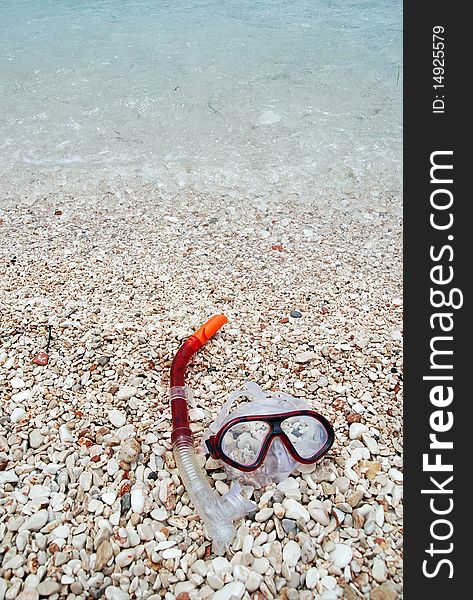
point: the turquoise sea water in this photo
(215, 94)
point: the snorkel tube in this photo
(217, 512)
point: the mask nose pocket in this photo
(278, 463)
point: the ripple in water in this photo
(216, 94)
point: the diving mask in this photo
(260, 442)
(264, 440)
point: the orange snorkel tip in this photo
(210, 328)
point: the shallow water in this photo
(217, 94)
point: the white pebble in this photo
(17, 414)
(183, 587)
(129, 450)
(379, 570)
(291, 553)
(235, 589)
(8, 477)
(21, 540)
(159, 514)
(328, 582)
(172, 553)
(311, 577)
(36, 439)
(65, 434)
(39, 491)
(318, 513)
(112, 466)
(17, 383)
(126, 392)
(115, 593)
(305, 357)
(137, 499)
(248, 542)
(125, 557)
(23, 396)
(36, 521)
(253, 581)
(356, 429)
(200, 568)
(395, 474)
(117, 418)
(145, 532)
(263, 515)
(295, 510)
(85, 480)
(214, 581)
(48, 587)
(62, 531)
(109, 497)
(15, 562)
(221, 565)
(341, 555)
(261, 565)
(370, 443)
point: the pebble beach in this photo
(107, 282)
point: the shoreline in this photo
(122, 275)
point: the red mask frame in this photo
(215, 442)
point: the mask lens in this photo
(242, 443)
(306, 434)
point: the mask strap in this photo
(250, 389)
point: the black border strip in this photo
(426, 132)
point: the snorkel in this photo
(217, 512)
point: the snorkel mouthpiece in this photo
(217, 512)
